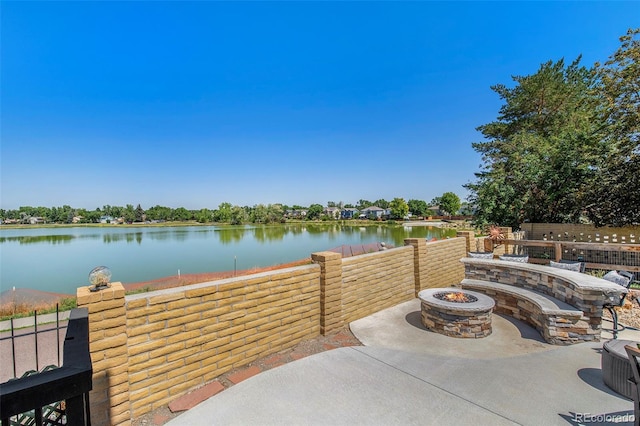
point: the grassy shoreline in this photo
(354, 222)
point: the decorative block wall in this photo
(376, 281)
(441, 267)
(147, 349)
(108, 346)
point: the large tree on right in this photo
(614, 198)
(564, 145)
(537, 154)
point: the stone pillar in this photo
(419, 255)
(470, 239)
(330, 290)
(108, 346)
(508, 235)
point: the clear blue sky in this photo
(197, 103)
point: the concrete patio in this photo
(405, 374)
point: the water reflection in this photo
(230, 235)
(394, 234)
(35, 239)
(137, 254)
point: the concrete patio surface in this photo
(406, 374)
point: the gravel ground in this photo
(629, 313)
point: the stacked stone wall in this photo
(542, 279)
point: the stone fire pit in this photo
(456, 312)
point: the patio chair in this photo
(633, 353)
(624, 279)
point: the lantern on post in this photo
(99, 278)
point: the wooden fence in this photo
(597, 256)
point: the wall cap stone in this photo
(578, 279)
(216, 283)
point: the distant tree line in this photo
(565, 146)
(225, 213)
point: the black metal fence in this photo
(24, 344)
(58, 395)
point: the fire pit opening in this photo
(456, 312)
(457, 297)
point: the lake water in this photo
(59, 259)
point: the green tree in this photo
(140, 216)
(238, 215)
(182, 215)
(466, 209)
(159, 213)
(613, 198)
(399, 208)
(538, 154)
(223, 214)
(259, 214)
(363, 204)
(204, 216)
(275, 213)
(418, 207)
(382, 203)
(450, 203)
(129, 215)
(314, 211)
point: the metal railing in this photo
(21, 329)
(596, 256)
(31, 397)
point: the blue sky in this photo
(191, 104)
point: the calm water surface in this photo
(60, 259)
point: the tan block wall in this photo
(108, 347)
(182, 338)
(147, 349)
(375, 281)
(330, 290)
(442, 263)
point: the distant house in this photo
(436, 210)
(333, 212)
(107, 219)
(373, 212)
(35, 220)
(348, 213)
(297, 213)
